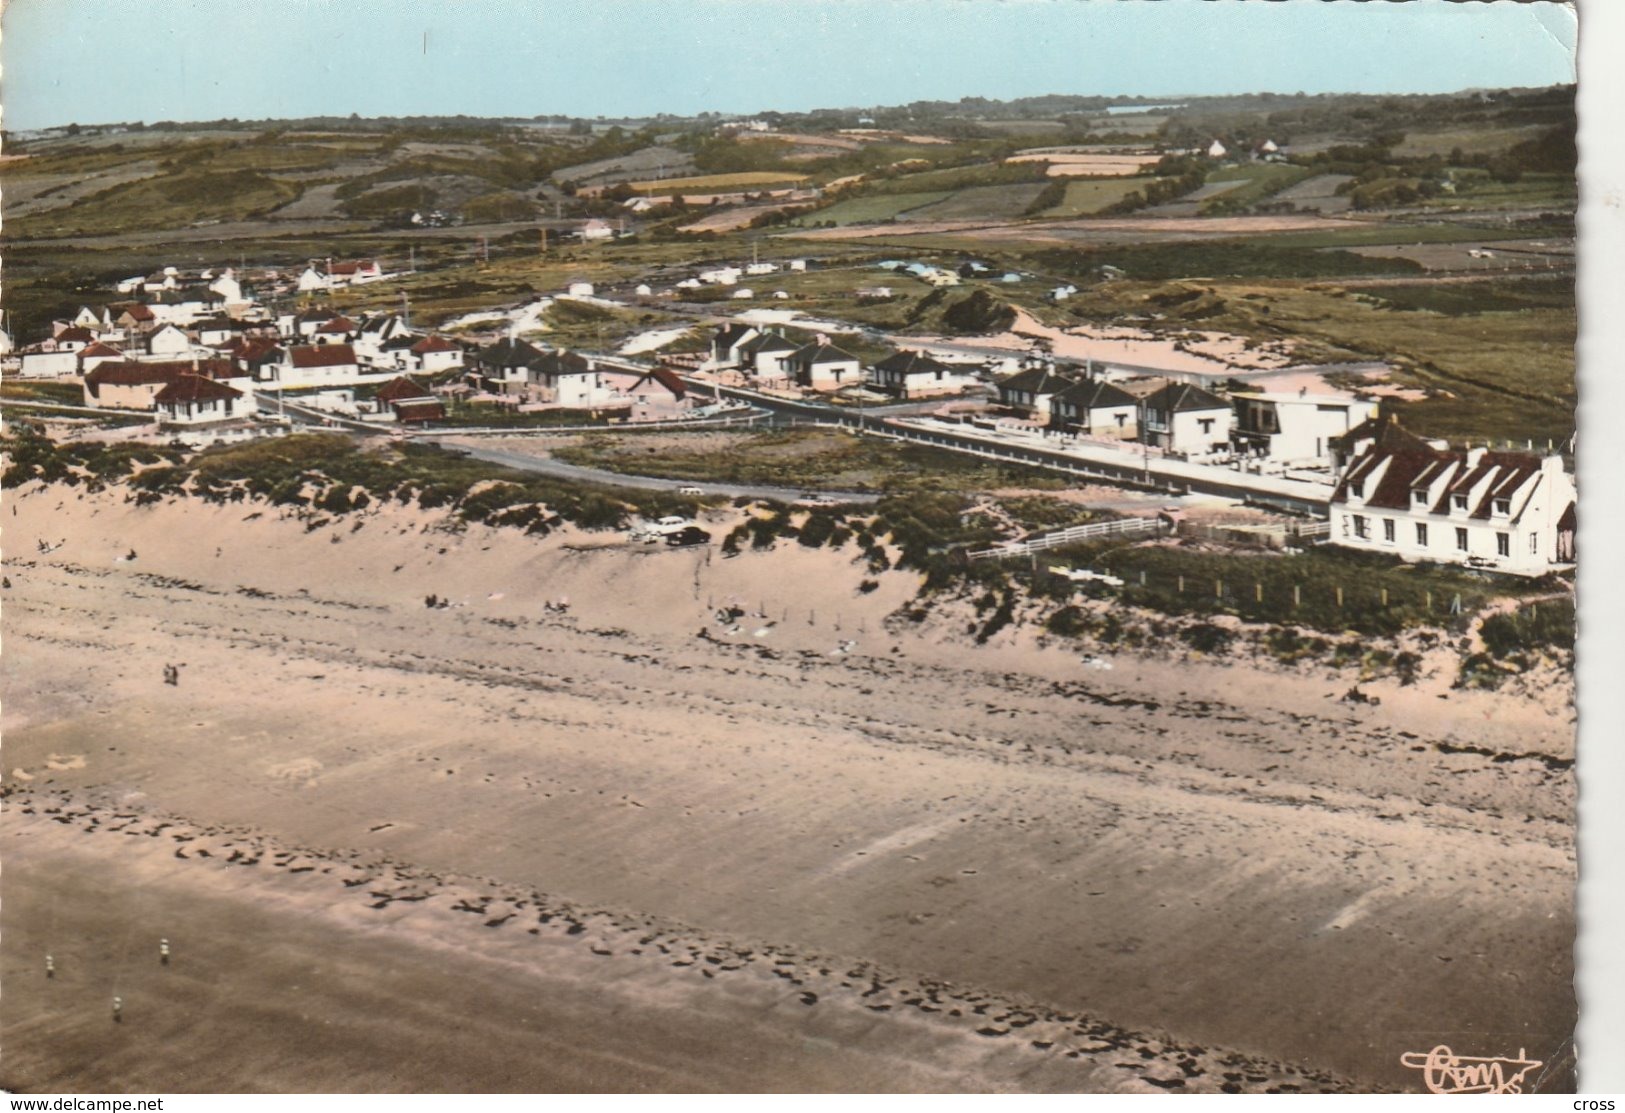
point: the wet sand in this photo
(1156, 870)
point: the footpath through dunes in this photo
(1228, 858)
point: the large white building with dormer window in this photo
(1503, 511)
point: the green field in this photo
(1262, 180)
(720, 183)
(1087, 196)
(996, 202)
(1482, 140)
(869, 210)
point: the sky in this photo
(101, 61)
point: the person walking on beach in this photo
(172, 676)
(163, 952)
(118, 1010)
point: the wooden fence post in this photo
(1340, 596)
(1297, 594)
(1182, 585)
(1258, 591)
(1385, 597)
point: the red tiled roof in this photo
(196, 388)
(397, 390)
(82, 335)
(99, 349)
(137, 312)
(434, 344)
(322, 355)
(338, 324)
(1412, 468)
(131, 372)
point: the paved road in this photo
(643, 482)
(1091, 463)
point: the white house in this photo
(580, 290)
(168, 340)
(597, 230)
(37, 363)
(1030, 393)
(571, 381)
(97, 354)
(1183, 418)
(134, 385)
(1297, 427)
(355, 272)
(762, 357)
(228, 288)
(798, 264)
(311, 280)
(335, 330)
(1095, 408)
(1507, 511)
(321, 365)
(1217, 150)
(721, 276)
(503, 367)
(823, 366)
(197, 400)
(917, 375)
(436, 353)
(725, 344)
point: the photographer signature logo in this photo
(1445, 1072)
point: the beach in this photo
(988, 867)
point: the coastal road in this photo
(563, 470)
(1098, 464)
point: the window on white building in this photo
(1388, 530)
(1503, 506)
(1461, 539)
(1458, 502)
(1534, 543)
(1362, 527)
(1419, 496)
(1357, 490)
(1422, 534)
(1503, 544)
(1206, 423)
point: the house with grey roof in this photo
(1186, 419)
(1095, 408)
(823, 366)
(917, 375)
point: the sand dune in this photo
(1174, 876)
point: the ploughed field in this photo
(554, 837)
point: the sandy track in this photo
(1228, 858)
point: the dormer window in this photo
(1458, 502)
(1419, 496)
(1357, 490)
(1503, 506)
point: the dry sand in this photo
(750, 860)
